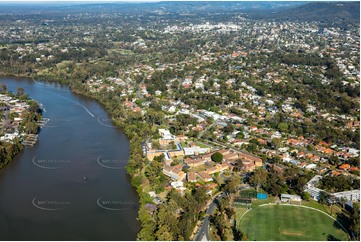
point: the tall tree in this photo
(259, 178)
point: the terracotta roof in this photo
(344, 166)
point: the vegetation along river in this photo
(72, 184)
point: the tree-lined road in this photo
(202, 234)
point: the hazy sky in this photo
(107, 1)
(150, 0)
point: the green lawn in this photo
(289, 223)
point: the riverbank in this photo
(20, 123)
(73, 145)
(132, 128)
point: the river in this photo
(72, 184)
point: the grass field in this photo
(289, 223)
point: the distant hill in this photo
(315, 11)
(328, 12)
(170, 7)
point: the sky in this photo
(151, 0)
(111, 1)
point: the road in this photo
(202, 234)
(206, 130)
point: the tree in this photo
(155, 144)
(228, 129)
(251, 147)
(306, 196)
(148, 225)
(355, 220)
(3, 87)
(233, 184)
(259, 178)
(327, 199)
(283, 127)
(238, 235)
(276, 142)
(217, 157)
(20, 91)
(164, 233)
(240, 135)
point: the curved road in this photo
(202, 234)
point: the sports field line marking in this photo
(302, 206)
(244, 214)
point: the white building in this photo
(166, 134)
(352, 195)
(312, 189)
(290, 198)
(315, 192)
(195, 150)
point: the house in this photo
(344, 167)
(353, 124)
(204, 176)
(328, 151)
(212, 186)
(300, 154)
(323, 143)
(310, 166)
(335, 173)
(315, 158)
(237, 142)
(150, 208)
(293, 142)
(354, 169)
(319, 148)
(308, 155)
(253, 128)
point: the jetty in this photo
(43, 122)
(30, 140)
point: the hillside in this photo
(315, 11)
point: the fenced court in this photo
(239, 202)
(277, 222)
(249, 193)
(262, 196)
(245, 198)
